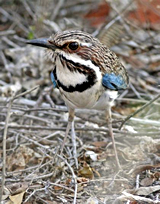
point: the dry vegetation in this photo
(33, 117)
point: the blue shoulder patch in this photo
(113, 82)
(53, 80)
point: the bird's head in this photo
(69, 42)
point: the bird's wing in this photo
(113, 81)
(53, 80)
(115, 76)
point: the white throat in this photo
(88, 63)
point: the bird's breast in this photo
(85, 99)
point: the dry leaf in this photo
(86, 171)
(100, 144)
(17, 199)
(57, 188)
(17, 188)
(156, 175)
(82, 180)
(92, 155)
(18, 159)
(147, 181)
(15, 161)
(146, 190)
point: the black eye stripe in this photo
(73, 45)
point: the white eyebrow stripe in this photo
(86, 44)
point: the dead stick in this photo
(139, 110)
(4, 146)
(5, 136)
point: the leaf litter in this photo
(34, 172)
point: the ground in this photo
(33, 116)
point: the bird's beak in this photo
(42, 42)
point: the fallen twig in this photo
(4, 147)
(139, 110)
(5, 135)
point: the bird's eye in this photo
(73, 45)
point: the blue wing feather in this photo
(114, 82)
(53, 80)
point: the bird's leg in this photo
(109, 121)
(70, 120)
(73, 135)
(70, 125)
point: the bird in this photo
(88, 75)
